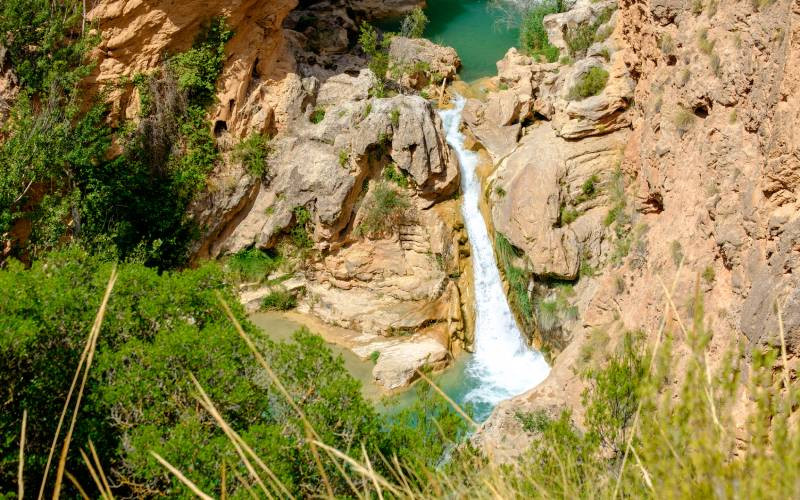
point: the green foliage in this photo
(393, 174)
(395, 117)
(344, 158)
(299, 232)
(374, 355)
(197, 69)
(533, 35)
(422, 433)
(414, 24)
(579, 38)
(589, 84)
(252, 264)
(499, 191)
(567, 215)
(611, 398)
(279, 300)
(44, 45)
(317, 115)
(708, 274)
(253, 153)
(377, 50)
(384, 210)
(517, 278)
(132, 206)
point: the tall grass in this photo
(657, 426)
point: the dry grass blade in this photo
(100, 471)
(95, 476)
(21, 467)
(372, 472)
(189, 484)
(76, 484)
(239, 444)
(452, 403)
(95, 333)
(364, 471)
(244, 484)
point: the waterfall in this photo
(502, 365)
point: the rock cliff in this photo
(682, 171)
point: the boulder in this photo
(397, 364)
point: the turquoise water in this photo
(474, 29)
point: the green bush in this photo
(383, 212)
(589, 84)
(414, 24)
(299, 231)
(279, 300)
(393, 174)
(581, 37)
(197, 69)
(252, 264)
(517, 279)
(253, 153)
(317, 115)
(533, 36)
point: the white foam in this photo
(502, 363)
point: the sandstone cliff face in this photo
(705, 144)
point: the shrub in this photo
(683, 120)
(676, 251)
(253, 153)
(378, 53)
(344, 158)
(533, 36)
(581, 37)
(705, 45)
(708, 274)
(252, 264)
(414, 24)
(568, 215)
(299, 230)
(197, 69)
(279, 300)
(589, 84)
(317, 115)
(393, 174)
(384, 210)
(517, 279)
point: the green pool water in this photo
(474, 29)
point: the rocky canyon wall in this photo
(337, 154)
(691, 155)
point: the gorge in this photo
(581, 227)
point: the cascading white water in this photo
(502, 364)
